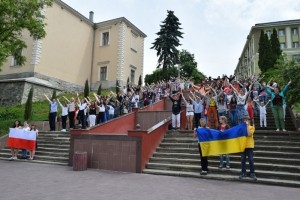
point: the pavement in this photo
(32, 181)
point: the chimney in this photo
(91, 16)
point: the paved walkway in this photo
(29, 181)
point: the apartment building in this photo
(289, 38)
(74, 50)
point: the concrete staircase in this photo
(276, 159)
(53, 148)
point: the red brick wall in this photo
(117, 153)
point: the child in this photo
(248, 151)
(223, 126)
(204, 161)
(262, 113)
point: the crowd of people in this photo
(25, 153)
(213, 101)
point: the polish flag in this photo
(21, 139)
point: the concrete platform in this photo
(30, 181)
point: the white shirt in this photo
(262, 110)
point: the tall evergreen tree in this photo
(28, 105)
(167, 42)
(275, 45)
(86, 91)
(117, 87)
(265, 60)
(53, 95)
(99, 89)
(140, 81)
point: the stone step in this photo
(291, 151)
(38, 161)
(233, 157)
(257, 154)
(257, 141)
(224, 177)
(55, 143)
(215, 170)
(40, 157)
(233, 164)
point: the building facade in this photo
(76, 49)
(289, 38)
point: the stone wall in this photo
(16, 92)
(53, 82)
(15, 87)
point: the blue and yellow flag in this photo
(215, 142)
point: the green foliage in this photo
(14, 19)
(86, 91)
(282, 73)
(28, 105)
(269, 51)
(275, 46)
(167, 42)
(140, 81)
(188, 67)
(99, 89)
(54, 94)
(159, 75)
(188, 70)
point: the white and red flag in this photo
(21, 139)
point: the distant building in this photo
(288, 35)
(75, 49)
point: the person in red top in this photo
(250, 109)
(223, 126)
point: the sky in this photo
(215, 31)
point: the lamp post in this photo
(178, 66)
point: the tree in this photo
(15, 18)
(167, 42)
(265, 61)
(53, 94)
(159, 75)
(99, 89)
(28, 105)
(188, 66)
(117, 87)
(284, 71)
(140, 81)
(86, 91)
(275, 46)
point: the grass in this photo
(297, 107)
(40, 110)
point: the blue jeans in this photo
(222, 158)
(233, 118)
(24, 153)
(241, 112)
(249, 153)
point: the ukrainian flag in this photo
(215, 142)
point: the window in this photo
(16, 60)
(296, 58)
(105, 38)
(281, 32)
(295, 44)
(103, 73)
(269, 33)
(282, 45)
(295, 31)
(132, 75)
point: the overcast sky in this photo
(215, 31)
